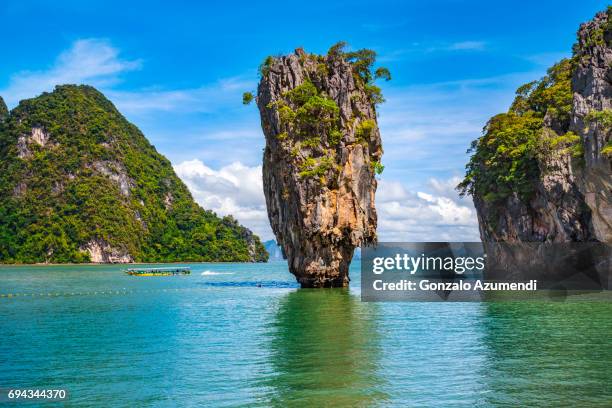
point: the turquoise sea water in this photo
(245, 335)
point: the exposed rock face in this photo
(322, 148)
(101, 252)
(592, 86)
(38, 136)
(555, 213)
(116, 172)
(571, 193)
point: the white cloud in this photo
(467, 45)
(403, 215)
(235, 189)
(91, 61)
(440, 215)
(447, 188)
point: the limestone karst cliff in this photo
(592, 119)
(323, 150)
(542, 172)
(79, 183)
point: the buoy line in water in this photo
(125, 291)
(114, 292)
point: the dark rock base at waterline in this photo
(324, 282)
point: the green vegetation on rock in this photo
(312, 114)
(264, 68)
(535, 168)
(602, 118)
(316, 168)
(506, 157)
(596, 35)
(363, 66)
(378, 167)
(310, 124)
(314, 120)
(607, 150)
(74, 171)
(364, 130)
(3, 109)
(247, 98)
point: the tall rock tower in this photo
(592, 119)
(323, 150)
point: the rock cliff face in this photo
(323, 149)
(542, 171)
(79, 183)
(592, 119)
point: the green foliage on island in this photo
(247, 98)
(316, 168)
(602, 118)
(363, 131)
(607, 27)
(264, 67)
(378, 167)
(95, 177)
(314, 120)
(363, 61)
(3, 109)
(311, 114)
(311, 119)
(506, 158)
(382, 72)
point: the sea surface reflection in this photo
(325, 349)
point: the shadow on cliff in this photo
(324, 350)
(546, 354)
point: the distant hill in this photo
(79, 183)
(275, 251)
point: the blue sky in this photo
(177, 71)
